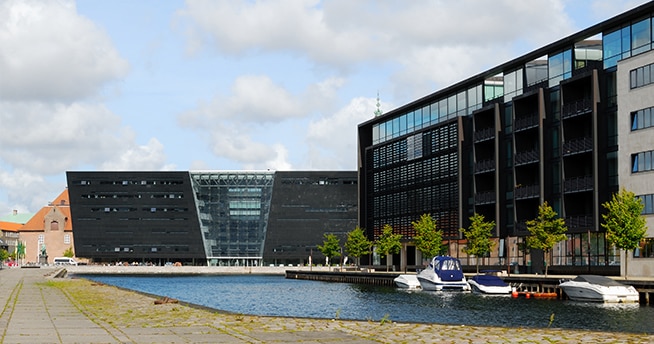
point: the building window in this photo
(560, 67)
(641, 37)
(67, 239)
(642, 119)
(41, 239)
(646, 249)
(648, 202)
(54, 226)
(642, 76)
(642, 162)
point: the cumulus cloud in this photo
(245, 125)
(332, 140)
(344, 33)
(49, 52)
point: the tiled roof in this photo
(20, 218)
(60, 204)
(10, 226)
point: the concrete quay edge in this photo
(37, 308)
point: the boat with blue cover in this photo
(489, 284)
(443, 272)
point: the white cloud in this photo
(49, 52)
(249, 124)
(27, 191)
(332, 140)
(150, 157)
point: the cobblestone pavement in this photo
(37, 308)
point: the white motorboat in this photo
(443, 272)
(598, 289)
(407, 281)
(489, 284)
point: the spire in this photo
(378, 112)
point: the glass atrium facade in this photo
(233, 209)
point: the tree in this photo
(388, 243)
(546, 230)
(624, 223)
(3, 255)
(357, 244)
(331, 247)
(69, 253)
(478, 236)
(428, 239)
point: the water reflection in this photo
(275, 295)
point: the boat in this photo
(489, 284)
(407, 281)
(598, 289)
(443, 272)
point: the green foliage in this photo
(388, 243)
(625, 226)
(331, 247)
(478, 236)
(546, 230)
(69, 253)
(428, 239)
(3, 255)
(20, 250)
(357, 244)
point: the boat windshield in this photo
(450, 265)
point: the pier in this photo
(527, 285)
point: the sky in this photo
(150, 85)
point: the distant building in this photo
(9, 229)
(210, 217)
(49, 233)
(569, 124)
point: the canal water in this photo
(278, 296)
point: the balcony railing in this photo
(577, 146)
(526, 157)
(484, 134)
(486, 197)
(576, 108)
(580, 221)
(578, 184)
(526, 191)
(484, 166)
(525, 122)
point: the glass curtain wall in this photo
(233, 208)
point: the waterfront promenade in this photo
(37, 308)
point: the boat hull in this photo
(407, 282)
(489, 289)
(428, 284)
(580, 291)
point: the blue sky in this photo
(233, 85)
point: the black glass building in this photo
(209, 217)
(568, 124)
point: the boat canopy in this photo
(596, 279)
(489, 280)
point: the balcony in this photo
(580, 221)
(484, 134)
(526, 191)
(578, 184)
(525, 123)
(527, 157)
(576, 108)
(486, 197)
(578, 146)
(484, 166)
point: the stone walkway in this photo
(36, 308)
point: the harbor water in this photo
(277, 296)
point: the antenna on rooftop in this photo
(378, 112)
